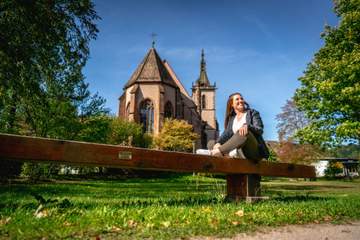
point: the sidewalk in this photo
(349, 231)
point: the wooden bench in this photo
(243, 176)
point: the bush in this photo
(37, 171)
(333, 169)
(176, 135)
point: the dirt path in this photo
(349, 231)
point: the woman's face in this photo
(238, 103)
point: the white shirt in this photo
(237, 124)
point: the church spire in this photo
(203, 78)
(203, 63)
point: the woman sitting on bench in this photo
(243, 132)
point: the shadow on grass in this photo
(310, 187)
(181, 202)
(135, 193)
(300, 198)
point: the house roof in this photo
(151, 70)
(337, 159)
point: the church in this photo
(154, 93)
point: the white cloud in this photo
(261, 26)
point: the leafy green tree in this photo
(330, 87)
(43, 47)
(346, 151)
(95, 129)
(176, 135)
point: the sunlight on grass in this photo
(165, 208)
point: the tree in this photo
(290, 120)
(43, 47)
(176, 135)
(346, 151)
(330, 88)
(128, 133)
(298, 153)
(95, 129)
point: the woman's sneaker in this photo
(203, 152)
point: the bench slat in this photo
(23, 148)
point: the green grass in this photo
(165, 208)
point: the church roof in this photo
(176, 79)
(185, 96)
(151, 69)
(203, 79)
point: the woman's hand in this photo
(216, 146)
(243, 131)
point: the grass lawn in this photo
(177, 207)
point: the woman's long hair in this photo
(230, 110)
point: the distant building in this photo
(350, 167)
(154, 93)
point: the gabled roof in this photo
(151, 69)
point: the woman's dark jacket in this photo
(255, 125)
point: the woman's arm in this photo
(227, 134)
(256, 125)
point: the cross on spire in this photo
(153, 35)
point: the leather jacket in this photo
(255, 125)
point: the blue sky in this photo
(258, 48)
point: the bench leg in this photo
(243, 187)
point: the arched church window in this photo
(168, 110)
(203, 102)
(147, 115)
(127, 111)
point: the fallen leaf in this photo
(235, 223)
(67, 224)
(131, 223)
(5, 221)
(150, 225)
(240, 213)
(206, 210)
(166, 224)
(115, 229)
(214, 222)
(42, 213)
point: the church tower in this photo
(203, 95)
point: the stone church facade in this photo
(154, 93)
